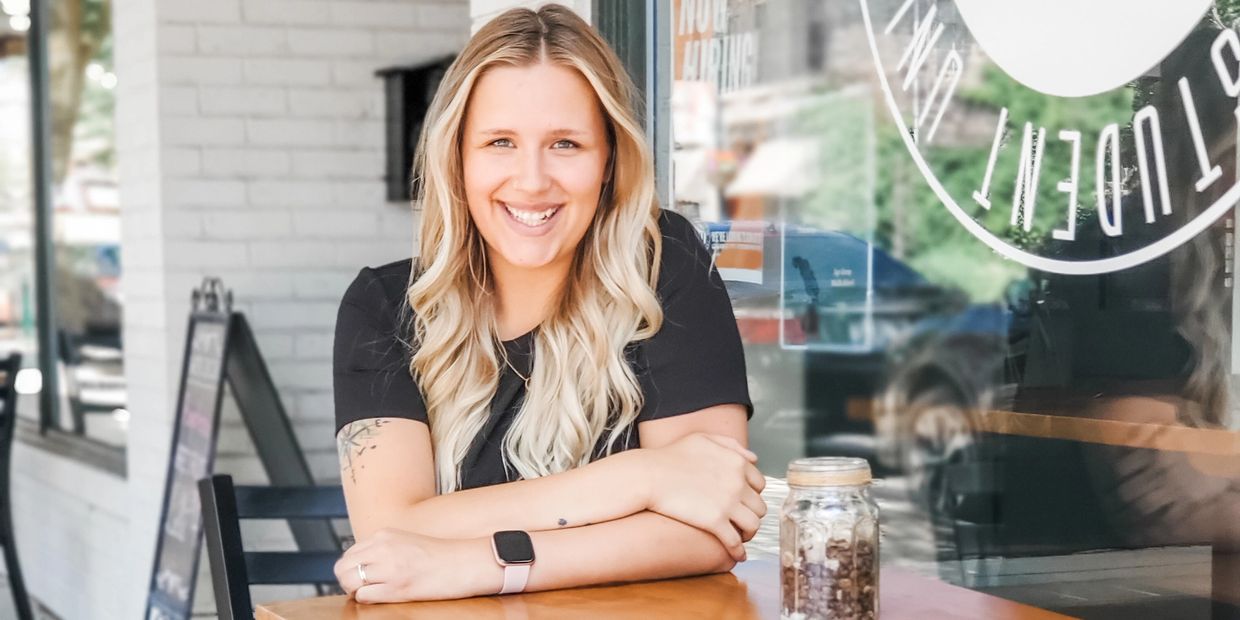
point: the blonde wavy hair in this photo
(581, 386)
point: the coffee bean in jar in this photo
(828, 541)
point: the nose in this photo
(531, 175)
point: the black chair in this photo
(70, 348)
(234, 570)
(8, 424)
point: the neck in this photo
(523, 295)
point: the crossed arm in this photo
(596, 524)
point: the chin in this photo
(527, 259)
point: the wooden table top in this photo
(1152, 436)
(750, 592)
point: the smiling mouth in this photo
(533, 219)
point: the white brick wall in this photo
(285, 195)
(72, 525)
(482, 10)
(250, 146)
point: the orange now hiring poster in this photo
(712, 59)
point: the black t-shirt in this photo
(694, 361)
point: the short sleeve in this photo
(696, 359)
(370, 370)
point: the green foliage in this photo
(913, 223)
(842, 125)
(1088, 115)
(1226, 13)
(931, 238)
(98, 105)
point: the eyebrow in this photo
(557, 133)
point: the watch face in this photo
(514, 547)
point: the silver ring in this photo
(361, 574)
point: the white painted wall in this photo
(250, 147)
(482, 10)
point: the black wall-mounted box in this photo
(408, 92)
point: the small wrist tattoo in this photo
(563, 522)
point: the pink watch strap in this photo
(515, 578)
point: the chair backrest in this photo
(234, 570)
(10, 365)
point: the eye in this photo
(565, 144)
(502, 142)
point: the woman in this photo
(561, 370)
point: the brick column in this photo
(250, 146)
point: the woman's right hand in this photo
(709, 482)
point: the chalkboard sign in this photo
(193, 451)
(220, 346)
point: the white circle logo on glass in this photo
(1074, 48)
(1089, 138)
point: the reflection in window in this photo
(1035, 429)
(86, 221)
(17, 307)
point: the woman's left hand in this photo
(402, 566)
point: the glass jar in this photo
(828, 541)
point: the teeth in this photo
(531, 219)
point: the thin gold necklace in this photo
(514, 369)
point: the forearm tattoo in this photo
(355, 439)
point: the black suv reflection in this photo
(835, 328)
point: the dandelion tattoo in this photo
(355, 439)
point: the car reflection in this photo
(824, 325)
(925, 384)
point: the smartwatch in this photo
(515, 552)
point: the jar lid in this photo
(828, 471)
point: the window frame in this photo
(49, 435)
(635, 31)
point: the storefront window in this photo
(17, 306)
(990, 248)
(85, 227)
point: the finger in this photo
(732, 444)
(756, 480)
(754, 503)
(346, 577)
(363, 551)
(746, 522)
(350, 577)
(378, 593)
(731, 539)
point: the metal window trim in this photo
(41, 178)
(47, 434)
(633, 30)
